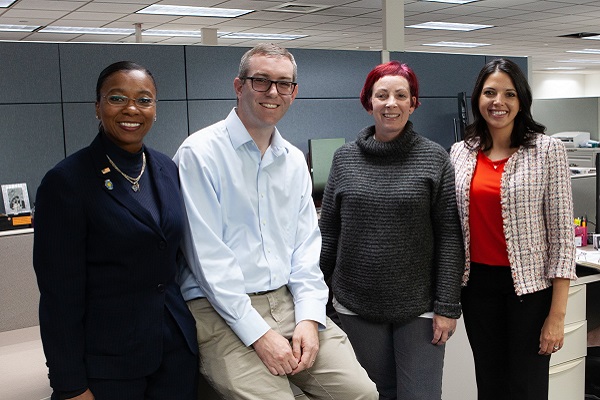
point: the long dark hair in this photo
(525, 128)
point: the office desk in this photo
(567, 370)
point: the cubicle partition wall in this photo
(48, 94)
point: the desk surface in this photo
(13, 232)
(588, 265)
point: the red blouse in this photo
(488, 244)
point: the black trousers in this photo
(504, 332)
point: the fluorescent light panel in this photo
(164, 32)
(161, 32)
(562, 68)
(456, 44)
(585, 51)
(575, 61)
(17, 28)
(451, 1)
(193, 11)
(260, 36)
(597, 37)
(6, 3)
(449, 26)
(85, 30)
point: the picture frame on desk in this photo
(596, 241)
(16, 199)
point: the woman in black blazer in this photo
(108, 223)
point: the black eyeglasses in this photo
(120, 101)
(264, 85)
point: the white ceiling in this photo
(521, 27)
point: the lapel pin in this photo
(109, 185)
(105, 171)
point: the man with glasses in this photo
(252, 278)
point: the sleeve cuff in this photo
(311, 310)
(449, 310)
(250, 328)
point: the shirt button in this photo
(160, 288)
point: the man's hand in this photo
(305, 344)
(276, 353)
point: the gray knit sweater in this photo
(392, 242)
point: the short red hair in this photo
(389, 68)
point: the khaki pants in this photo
(237, 373)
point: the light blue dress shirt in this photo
(252, 225)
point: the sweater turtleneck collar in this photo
(400, 145)
(130, 163)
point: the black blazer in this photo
(106, 270)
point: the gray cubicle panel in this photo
(202, 113)
(434, 119)
(326, 74)
(443, 75)
(30, 73)
(305, 119)
(560, 115)
(321, 73)
(210, 71)
(31, 137)
(323, 118)
(81, 64)
(167, 133)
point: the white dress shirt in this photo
(252, 225)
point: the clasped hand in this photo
(281, 358)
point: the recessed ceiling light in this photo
(164, 32)
(6, 3)
(449, 26)
(302, 8)
(585, 51)
(562, 68)
(17, 28)
(260, 36)
(451, 1)
(457, 44)
(84, 30)
(573, 60)
(193, 11)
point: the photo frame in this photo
(16, 199)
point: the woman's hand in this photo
(87, 395)
(553, 334)
(443, 328)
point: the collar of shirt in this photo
(239, 135)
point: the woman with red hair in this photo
(392, 245)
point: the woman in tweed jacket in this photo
(513, 189)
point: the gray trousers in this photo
(237, 373)
(399, 358)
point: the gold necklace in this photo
(135, 185)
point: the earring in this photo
(155, 118)
(97, 117)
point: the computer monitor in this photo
(463, 116)
(583, 185)
(597, 219)
(320, 156)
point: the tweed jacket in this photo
(537, 211)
